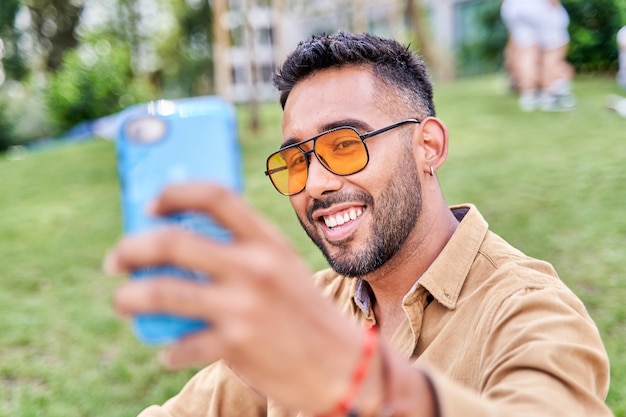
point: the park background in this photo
(550, 183)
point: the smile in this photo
(343, 217)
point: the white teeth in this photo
(339, 219)
(330, 222)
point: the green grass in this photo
(551, 184)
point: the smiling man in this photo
(424, 311)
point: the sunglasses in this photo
(341, 150)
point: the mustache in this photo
(357, 196)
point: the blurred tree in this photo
(171, 41)
(593, 25)
(481, 47)
(253, 98)
(440, 64)
(197, 35)
(94, 80)
(93, 57)
(7, 136)
(54, 23)
(12, 60)
(126, 24)
(187, 58)
(222, 40)
(621, 5)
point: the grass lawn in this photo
(550, 183)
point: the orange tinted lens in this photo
(342, 151)
(288, 171)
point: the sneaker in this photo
(617, 103)
(557, 102)
(527, 101)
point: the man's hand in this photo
(267, 320)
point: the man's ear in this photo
(434, 143)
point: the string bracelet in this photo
(345, 406)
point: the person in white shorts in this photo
(614, 101)
(538, 43)
(621, 45)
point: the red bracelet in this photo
(345, 405)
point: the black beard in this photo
(395, 214)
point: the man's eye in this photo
(348, 143)
(347, 146)
(297, 162)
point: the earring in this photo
(432, 171)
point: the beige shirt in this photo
(498, 333)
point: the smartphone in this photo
(165, 142)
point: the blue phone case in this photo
(165, 142)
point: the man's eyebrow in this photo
(359, 125)
(289, 142)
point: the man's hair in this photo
(402, 72)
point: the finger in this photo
(223, 205)
(210, 302)
(163, 295)
(197, 349)
(167, 246)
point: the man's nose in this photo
(320, 180)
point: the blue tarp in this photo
(105, 128)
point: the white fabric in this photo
(536, 23)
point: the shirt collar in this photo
(446, 275)
(362, 297)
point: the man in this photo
(465, 325)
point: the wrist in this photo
(360, 379)
(396, 388)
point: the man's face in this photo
(361, 220)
